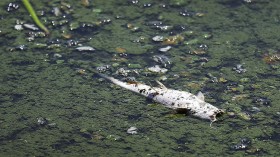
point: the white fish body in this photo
(174, 99)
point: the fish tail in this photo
(117, 82)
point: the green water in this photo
(89, 117)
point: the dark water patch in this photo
(22, 62)
(134, 117)
(86, 29)
(14, 135)
(62, 144)
(274, 137)
(231, 3)
(183, 143)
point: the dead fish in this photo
(174, 99)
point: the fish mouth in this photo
(216, 114)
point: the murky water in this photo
(52, 103)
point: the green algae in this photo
(33, 85)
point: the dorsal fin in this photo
(200, 95)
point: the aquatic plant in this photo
(35, 18)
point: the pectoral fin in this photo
(162, 86)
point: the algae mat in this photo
(52, 104)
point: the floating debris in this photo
(132, 1)
(186, 12)
(262, 101)
(255, 109)
(113, 137)
(140, 39)
(198, 52)
(36, 34)
(213, 78)
(164, 28)
(203, 47)
(247, 1)
(245, 115)
(191, 42)
(207, 36)
(122, 71)
(85, 48)
(158, 38)
(57, 55)
(72, 42)
(242, 145)
(42, 121)
(239, 68)
(18, 27)
(157, 69)
(173, 40)
(162, 59)
(85, 3)
(147, 5)
(103, 68)
(81, 71)
(154, 23)
(21, 47)
(134, 66)
(12, 7)
(189, 13)
(56, 11)
(30, 26)
(132, 27)
(120, 50)
(222, 80)
(132, 130)
(239, 97)
(165, 49)
(271, 59)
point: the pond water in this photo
(53, 103)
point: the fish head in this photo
(207, 111)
